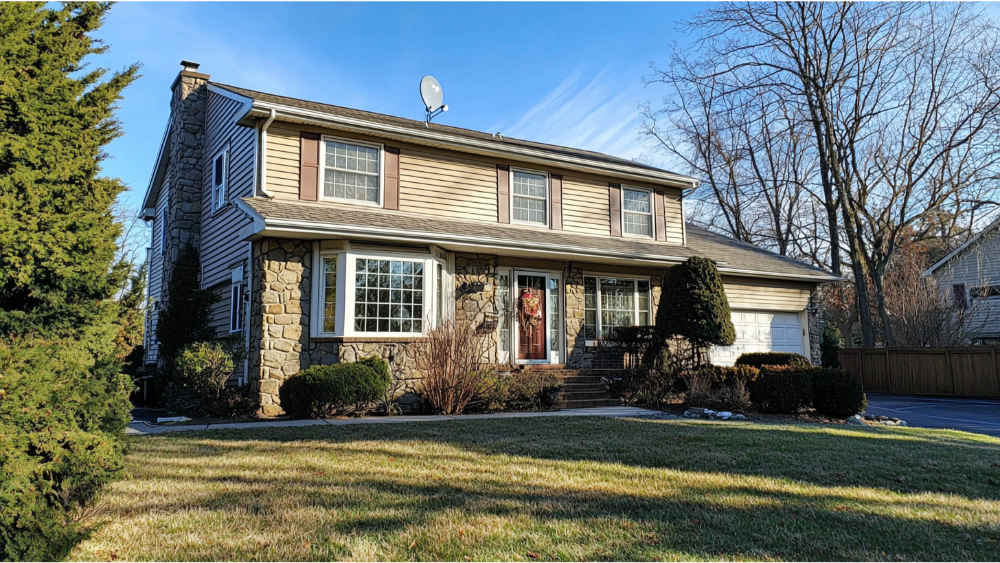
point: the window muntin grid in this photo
(388, 295)
(611, 302)
(637, 211)
(530, 197)
(351, 172)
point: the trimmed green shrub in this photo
(838, 392)
(62, 437)
(829, 346)
(760, 359)
(782, 389)
(381, 369)
(520, 391)
(694, 306)
(198, 386)
(324, 390)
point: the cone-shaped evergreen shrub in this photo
(694, 306)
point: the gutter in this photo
(477, 146)
(263, 155)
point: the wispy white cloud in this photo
(598, 113)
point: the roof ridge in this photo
(449, 128)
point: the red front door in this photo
(531, 317)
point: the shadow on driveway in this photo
(981, 416)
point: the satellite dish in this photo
(433, 96)
(431, 92)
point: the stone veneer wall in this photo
(475, 296)
(812, 317)
(185, 143)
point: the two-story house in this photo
(337, 233)
(970, 277)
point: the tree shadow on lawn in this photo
(900, 460)
(502, 510)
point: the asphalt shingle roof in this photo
(420, 126)
(701, 242)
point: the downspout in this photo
(263, 155)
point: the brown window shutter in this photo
(660, 221)
(308, 166)
(557, 202)
(503, 193)
(615, 199)
(391, 178)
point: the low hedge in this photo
(838, 392)
(782, 389)
(324, 390)
(760, 359)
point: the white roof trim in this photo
(975, 238)
(262, 226)
(481, 146)
(159, 169)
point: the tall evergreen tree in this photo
(57, 234)
(63, 399)
(694, 305)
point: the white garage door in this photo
(760, 331)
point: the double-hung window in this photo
(237, 301)
(637, 212)
(220, 179)
(365, 295)
(352, 171)
(613, 302)
(529, 197)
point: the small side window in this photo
(961, 300)
(220, 179)
(237, 307)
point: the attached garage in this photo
(762, 331)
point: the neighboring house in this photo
(970, 275)
(335, 233)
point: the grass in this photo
(554, 489)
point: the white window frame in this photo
(548, 197)
(237, 303)
(346, 264)
(220, 193)
(652, 212)
(551, 356)
(635, 284)
(321, 189)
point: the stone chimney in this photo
(185, 172)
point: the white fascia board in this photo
(481, 146)
(975, 238)
(247, 102)
(156, 178)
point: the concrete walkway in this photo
(140, 428)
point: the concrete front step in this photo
(583, 379)
(586, 403)
(599, 388)
(584, 395)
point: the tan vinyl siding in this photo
(447, 186)
(673, 217)
(283, 162)
(585, 206)
(766, 295)
(977, 266)
(221, 247)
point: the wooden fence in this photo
(953, 372)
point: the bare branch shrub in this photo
(455, 359)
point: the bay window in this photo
(612, 302)
(363, 295)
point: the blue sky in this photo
(564, 73)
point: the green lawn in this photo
(554, 489)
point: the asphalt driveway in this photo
(980, 416)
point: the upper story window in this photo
(352, 171)
(220, 178)
(985, 292)
(529, 197)
(958, 293)
(637, 212)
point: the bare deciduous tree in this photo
(902, 106)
